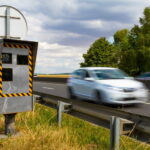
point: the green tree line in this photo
(130, 50)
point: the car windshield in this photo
(105, 74)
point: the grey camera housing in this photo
(17, 63)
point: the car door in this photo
(87, 85)
(82, 87)
(77, 76)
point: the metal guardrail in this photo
(138, 126)
(64, 80)
(115, 124)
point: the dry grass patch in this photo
(40, 132)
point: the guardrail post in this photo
(114, 133)
(62, 107)
(59, 113)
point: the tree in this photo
(121, 38)
(99, 54)
(139, 39)
(134, 46)
(122, 46)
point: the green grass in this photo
(40, 132)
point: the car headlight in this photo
(113, 87)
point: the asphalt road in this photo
(58, 89)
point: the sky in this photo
(65, 29)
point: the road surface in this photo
(59, 89)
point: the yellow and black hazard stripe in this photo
(0, 76)
(15, 94)
(16, 46)
(30, 71)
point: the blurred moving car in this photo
(106, 85)
(144, 76)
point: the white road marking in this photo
(49, 88)
(147, 103)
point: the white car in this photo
(106, 85)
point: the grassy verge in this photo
(40, 132)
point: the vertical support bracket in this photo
(114, 133)
(62, 107)
(10, 124)
(7, 27)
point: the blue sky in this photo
(66, 28)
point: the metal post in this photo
(10, 124)
(62, 107)
(114, 133)
(59, 113)
(7, 27)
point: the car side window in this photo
(81, 74)
(85, 74)
(77, 74)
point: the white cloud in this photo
(25, 5)
(104, 25)
(39, 33)
(133, 8)
(55, 56)
(95, 24)
(58, 7)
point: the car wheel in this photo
(70, 93)
(98, 97)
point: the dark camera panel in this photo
(22, 60)
(7, 74)
(6, 58)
